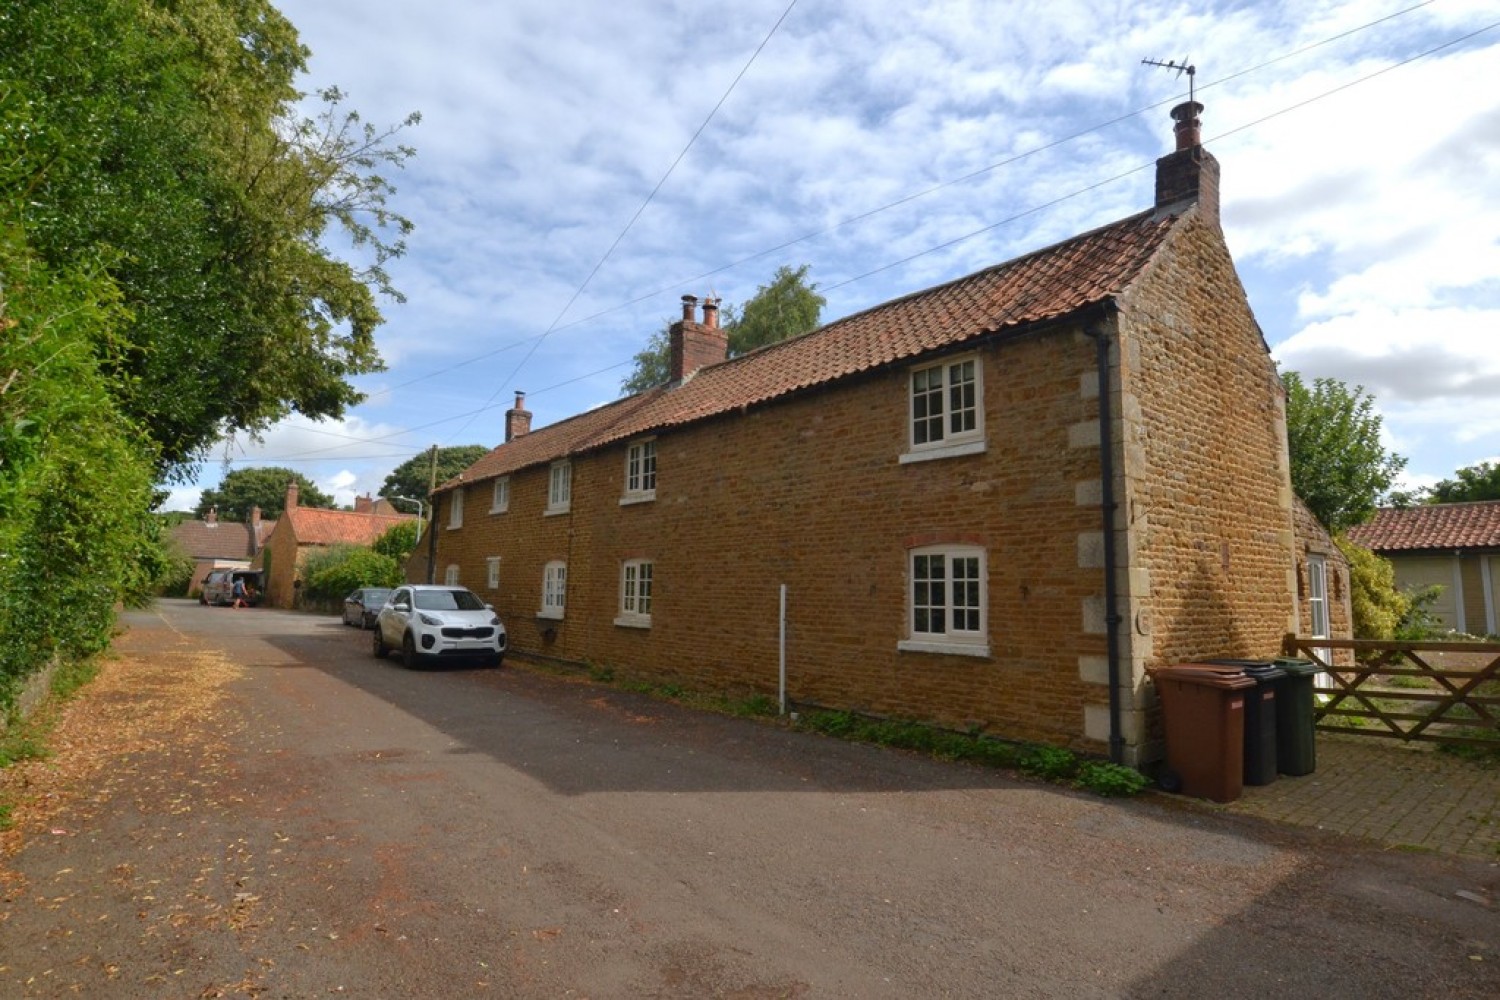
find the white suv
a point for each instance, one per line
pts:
(438, 622)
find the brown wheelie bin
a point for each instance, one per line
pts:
(1204, 710)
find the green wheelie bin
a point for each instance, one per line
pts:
(1296, 749)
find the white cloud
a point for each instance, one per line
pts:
(1367, 224)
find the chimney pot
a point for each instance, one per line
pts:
(693, 345)
(689, 308)
(517, 419)
(1188, 128)
(1189, 175)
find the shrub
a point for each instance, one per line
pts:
(332, 573)
(398, 541)
(1379, 608)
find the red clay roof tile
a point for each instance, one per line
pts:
(316, 526)
(1435, 526)
(1042, 285)
(218, 539)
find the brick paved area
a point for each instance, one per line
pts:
(1396, 794)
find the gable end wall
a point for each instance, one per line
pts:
(1207, 503)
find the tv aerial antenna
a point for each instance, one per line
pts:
(1180, 67)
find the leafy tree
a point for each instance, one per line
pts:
(264, 487)
(1477, 482)
(653, 364)
(398, 541)
(163, 142)
(412, 477)
(1339, 467)
(785, 307)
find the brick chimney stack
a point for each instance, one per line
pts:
(291, 494)
(695, 344)
(1190, 174)
(517, 419)
(212, 517)
(362, 505)
(255, 526)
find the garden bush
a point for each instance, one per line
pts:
(330, 574)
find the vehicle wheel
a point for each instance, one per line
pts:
(409, 653)
(1169, 781)
(378, 647)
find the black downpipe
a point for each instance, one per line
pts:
(1107, 505)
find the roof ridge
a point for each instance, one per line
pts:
(1041, 285)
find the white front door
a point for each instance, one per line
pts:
(1317, 607)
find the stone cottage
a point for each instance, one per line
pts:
(992, 504)
(302, 530)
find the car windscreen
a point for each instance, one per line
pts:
(448, 600)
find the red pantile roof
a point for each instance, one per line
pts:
(316, 526)
(1047, 284)
(218, 539)
(1435, 526)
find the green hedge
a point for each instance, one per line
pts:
(76, 486)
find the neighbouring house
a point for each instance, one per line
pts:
(992, 504)
(300, 530)
(1325, 609)
(215, 544)
(1453, 545)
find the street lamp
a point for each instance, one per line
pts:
(420, 508)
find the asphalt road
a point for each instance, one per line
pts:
(333, 824)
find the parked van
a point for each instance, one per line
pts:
(218, 586)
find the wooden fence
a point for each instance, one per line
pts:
(1445, 692)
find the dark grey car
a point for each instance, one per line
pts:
(363, 604)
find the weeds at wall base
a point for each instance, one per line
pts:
(1048, 763)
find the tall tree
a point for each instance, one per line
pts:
(785, 307)
(264, 487)
(653, 364)
(411, 477)
(168, 149)
(1339, 467)
(1476, 482)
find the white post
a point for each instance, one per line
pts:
(783, 649)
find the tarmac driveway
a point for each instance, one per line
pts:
(248, 804)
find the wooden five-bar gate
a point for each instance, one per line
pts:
(1446, 692)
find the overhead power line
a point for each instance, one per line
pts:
(490, 403)
(504, 383)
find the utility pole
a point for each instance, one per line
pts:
(432, 524)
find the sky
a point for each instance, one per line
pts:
(893, 146)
